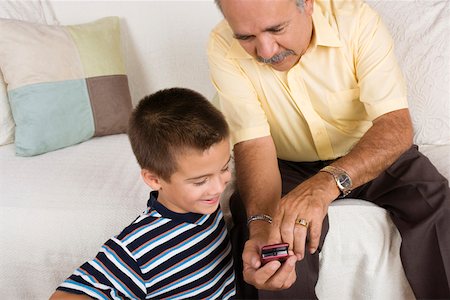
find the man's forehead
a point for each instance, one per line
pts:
(248, 5)
(250, 16)
(221, 2)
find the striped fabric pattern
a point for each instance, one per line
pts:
(65, 84)
(161, 255)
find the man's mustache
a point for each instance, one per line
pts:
(276, 58)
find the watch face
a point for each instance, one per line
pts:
(344, 181)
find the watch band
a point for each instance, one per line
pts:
(341, 177)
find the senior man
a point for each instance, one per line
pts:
(318, 111)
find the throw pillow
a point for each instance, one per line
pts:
(32, 11)
(66, 84)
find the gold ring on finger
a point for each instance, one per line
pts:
(302, 222)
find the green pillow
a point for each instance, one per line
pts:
(66, 84)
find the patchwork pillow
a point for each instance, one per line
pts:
(65, 84)
(32, 11)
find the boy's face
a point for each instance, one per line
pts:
(199, 181)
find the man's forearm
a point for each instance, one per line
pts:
(258, 177)
(389, 137)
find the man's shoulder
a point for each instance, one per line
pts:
(346, 16)
(222, 28)
(221, 33)
(340, 6)
(223, 44)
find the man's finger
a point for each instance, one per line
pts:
(315, 230)
(300, 233)
(287, 230)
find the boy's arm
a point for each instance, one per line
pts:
(59, 295)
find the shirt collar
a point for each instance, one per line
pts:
(323, 35)
(189, 217)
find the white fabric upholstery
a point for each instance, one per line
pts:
(58, 208)
(421, 29)
(28, 10)
(360, 258)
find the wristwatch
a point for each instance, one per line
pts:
(343, 180)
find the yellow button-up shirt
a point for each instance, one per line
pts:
(323, 105)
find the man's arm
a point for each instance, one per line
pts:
(389, 137)
(258, 177)
(259, 184)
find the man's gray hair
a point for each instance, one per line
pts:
(300, 4)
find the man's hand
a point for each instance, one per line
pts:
(308, 201)
(381, 145)
(271, 276)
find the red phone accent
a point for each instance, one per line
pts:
(274, 252)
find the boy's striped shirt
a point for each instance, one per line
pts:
(162, 254)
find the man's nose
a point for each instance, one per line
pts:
(266, 47)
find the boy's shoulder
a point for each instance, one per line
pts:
(152, 227)
(146, 223)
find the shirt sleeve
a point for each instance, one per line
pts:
(382, 87)
(237, 98)
(112, 274)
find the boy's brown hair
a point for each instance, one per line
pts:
(170, 121)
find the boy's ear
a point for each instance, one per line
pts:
(151, 179)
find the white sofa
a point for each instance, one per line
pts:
(59, 207)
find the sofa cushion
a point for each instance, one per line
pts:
(65, 84)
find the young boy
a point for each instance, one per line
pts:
(179, 247)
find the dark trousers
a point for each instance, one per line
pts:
(417, 197)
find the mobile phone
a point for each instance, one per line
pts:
(274, 252)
